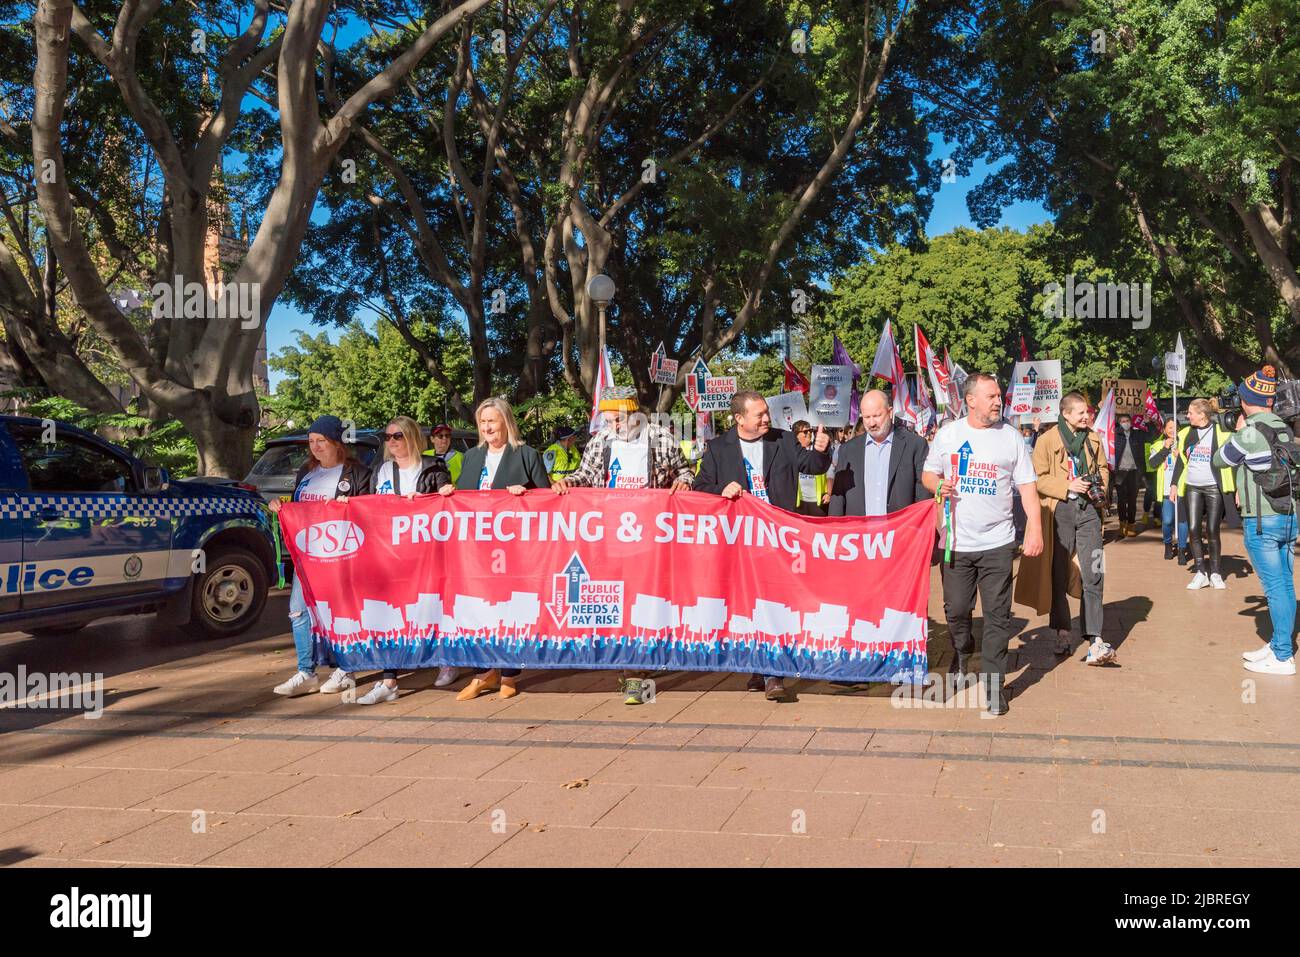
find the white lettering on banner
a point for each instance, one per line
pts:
(681, 527)
(846, 548)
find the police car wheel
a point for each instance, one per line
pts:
(230, 595)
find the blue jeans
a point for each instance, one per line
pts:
(1168, 512)
(1271, 551)
(300, 621)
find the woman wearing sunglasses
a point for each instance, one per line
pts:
(407, 471)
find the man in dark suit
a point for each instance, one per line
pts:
(753, 457)
(878, 471)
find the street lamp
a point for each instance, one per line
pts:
(600, 290)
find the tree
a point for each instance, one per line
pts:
(366, 377)
(1161, 134)
(977, 293)
(194, 362)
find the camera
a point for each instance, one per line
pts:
(1096, 489)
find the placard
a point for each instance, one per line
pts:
(786, 409)
(830, 395)
(1045, 375)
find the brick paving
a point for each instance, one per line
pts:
(1174, 757)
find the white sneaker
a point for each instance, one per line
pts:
(299, 684)
(1217, 581)
(446, 676)
(1271, 666)
(1259, 654)
(1099, 653)
(1198, 581)
(378, 694)
(340, 680)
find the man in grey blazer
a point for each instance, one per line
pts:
(878, 471)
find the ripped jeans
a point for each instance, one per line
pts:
(300, 621)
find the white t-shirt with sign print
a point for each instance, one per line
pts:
(490, 465)
(629, 464)
(319, 485)
(407, 484)
(989, 462)
(753, 455)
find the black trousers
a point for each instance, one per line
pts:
(987, 573)
(1126, 491)
(1207, 501)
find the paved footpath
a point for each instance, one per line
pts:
(1169, 758)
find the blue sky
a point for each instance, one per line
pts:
(949, 212)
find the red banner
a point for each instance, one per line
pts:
(603, 578)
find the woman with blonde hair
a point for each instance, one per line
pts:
(501, 460)
(405, 470)
(1202, 488)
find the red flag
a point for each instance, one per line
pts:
(795, 381)
(1149, 417)
(1024, 350)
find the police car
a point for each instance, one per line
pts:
(87, 530)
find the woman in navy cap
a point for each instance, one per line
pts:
(331, 471)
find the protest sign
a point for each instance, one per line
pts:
(708, 393)
(663, 371)
(787, 409)
(1045, 377)
(830, 395)
(1130, 394)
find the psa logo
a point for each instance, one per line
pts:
(336, 539)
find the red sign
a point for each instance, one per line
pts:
(604, 578)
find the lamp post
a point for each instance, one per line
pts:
(600, 290)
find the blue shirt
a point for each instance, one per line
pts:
(875, 473)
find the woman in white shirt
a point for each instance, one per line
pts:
(331, 471)
(407, 471)
(1202, 488)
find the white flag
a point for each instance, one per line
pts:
(883, 364)
(1105, 426)
(604, 377)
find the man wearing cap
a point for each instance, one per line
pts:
(1268, 520)
(630, 452)
(561, 458)
(440, 437)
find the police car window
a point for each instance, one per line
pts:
(69, 465)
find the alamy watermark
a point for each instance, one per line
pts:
(1099, 300)
(192, 300)
(61, 690)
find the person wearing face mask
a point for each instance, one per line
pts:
(501, 460)
(1128, 453)
(1162, 455)
(879, 471)
(407, 471)
(1203, 487)
(330, 472)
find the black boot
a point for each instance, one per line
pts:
(996, 694)
(1184, 556)
(959, 663)
(1169, 550)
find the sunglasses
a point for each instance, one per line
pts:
(391, 436)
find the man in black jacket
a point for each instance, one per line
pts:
(879, 471)
(753, 457)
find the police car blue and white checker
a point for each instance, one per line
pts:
(87, 530)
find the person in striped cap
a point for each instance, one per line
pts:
(1267, 489)
(629, 452)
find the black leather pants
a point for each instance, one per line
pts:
(1206, 501)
